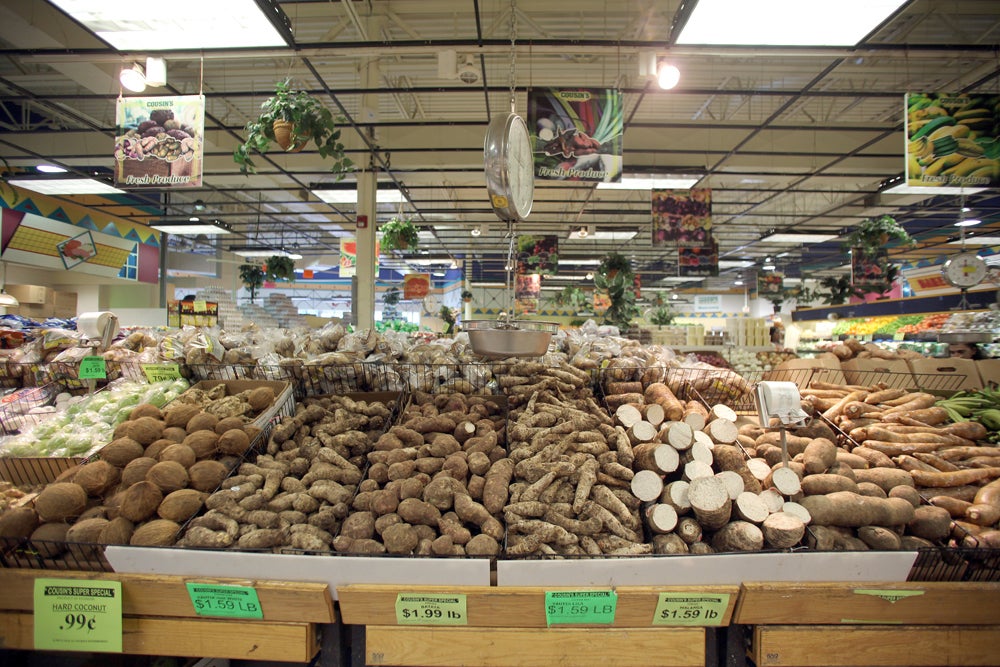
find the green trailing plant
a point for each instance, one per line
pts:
(310, 121)
(391, 296)
(466, 295)
(449, 316)
(280, 267)
(252, 276)
(835, 290)
(572, 298)
(614, 263)
(399, 234)
(621, 294)
(661, 315)
(872, 234)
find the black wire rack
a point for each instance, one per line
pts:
(956, 564)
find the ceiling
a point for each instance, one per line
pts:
(788, 138)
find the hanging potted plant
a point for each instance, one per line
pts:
(399, 234)
(872, 234)
(291, 119)
(621, 294)
(391, 296)
(252, 276)
(466, 295)
(280, 267)
(614, 263)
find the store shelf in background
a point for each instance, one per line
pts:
(979, 300)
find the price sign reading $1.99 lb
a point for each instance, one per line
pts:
(78, 615)
(691, 609)
(430, 609)
(225, 600)
(580, 607)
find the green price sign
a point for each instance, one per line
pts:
(222, 600)
(78, 615)
(580, 607)
(199, 306)
(161, 372)
(899, 336)
(889, 595)
(93, 368)
(691, 609)
(431, 609)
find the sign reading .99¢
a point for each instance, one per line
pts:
(78, 615)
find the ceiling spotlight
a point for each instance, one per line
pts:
(668, 76)
(583, 233)
(476, 231)
(738, 283)
(590, 275)
(133, 78)
(199, 205)
(768, 267)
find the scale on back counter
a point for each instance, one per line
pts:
(781, 401)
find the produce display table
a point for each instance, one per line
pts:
(860, 624)
(159, 619)
(507, 627)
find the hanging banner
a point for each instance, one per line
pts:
(577, 134)
(682, 217)
(416, 285)
(952, 140)
(348, 266)
(696, 262)
(770, 284)
(868, 269)
(538, 254)
(527, 290)
(159, 141)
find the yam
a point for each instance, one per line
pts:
(782, 530)
(750, 507)
(930, 522)
(879, 538)
(709, 499)
(738, 536)
(647, 485)
(661, 518)
(826, 483)
(887, 478)
(819, 455)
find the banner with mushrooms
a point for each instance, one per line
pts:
(159, 141)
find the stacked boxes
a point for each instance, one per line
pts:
(229, 314)
(282, 309)
(39, 302)
(748, 332)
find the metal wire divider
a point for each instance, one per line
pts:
(956, 564)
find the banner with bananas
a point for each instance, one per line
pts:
(953, 140)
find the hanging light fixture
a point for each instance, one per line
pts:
(6, 300)
(133, 78)
(668, 76)
(156, 72)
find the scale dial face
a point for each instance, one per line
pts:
(965, 270)
(510, 167)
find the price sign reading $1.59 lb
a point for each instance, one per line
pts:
(691, 609)
(431, 609)
(225, 600)
(78, 615)
(580, 607)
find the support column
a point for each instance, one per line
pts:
(364, 302)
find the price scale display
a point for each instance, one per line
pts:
(691, 609)
(78, 615)
(223, 600)
(430, 609)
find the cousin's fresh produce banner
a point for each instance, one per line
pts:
(538, 254)
(576, 134)
(159, 141)
(953, 140)
(682, 217)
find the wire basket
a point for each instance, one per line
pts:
(956, 564)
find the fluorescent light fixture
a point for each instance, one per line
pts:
(676, 279)
(612, 235)
(768, 267)
(133, 77)
(569, 261)
(668, 76)
(663, 182)
(784, 22)
(66, 186)
(265, 252)
(975, 240)
(187, 24)
(929, 190)
(738, 283)
(732, 263)
(192, 227)
(969, 222)
(393, 196)
(50, 169)
(798, 238)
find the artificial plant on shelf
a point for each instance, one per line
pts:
(621, 293)
(572, 298)
(280, 267)
(661, 312)
(399, 233)
(835, 290)
(291, 119)
(252, 276)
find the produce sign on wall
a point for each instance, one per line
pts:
(538, 254)
(416, 285)
(78, 249)
(527, 290)
(577, 134)
(159, 141)
(953, 140)
(770, 284)
(703, 261)
(682, 217)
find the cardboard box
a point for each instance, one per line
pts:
(824, 367)
(64, 300)
(894, 373)
(989, 371)
(945, 376)
(30, 294)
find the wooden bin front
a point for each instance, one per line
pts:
(507, 628)
(159, 619)
(878, 624)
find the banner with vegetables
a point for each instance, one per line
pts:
(527, 290)
(696, 262)
(349, 257)
(770, 284)
(159, 141)
(952, 140)
(682, 217)
(577, 134)
(538, 254)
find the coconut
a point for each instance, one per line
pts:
(97, 477)
(121, 430)
(146, 430)
(181, 505)
(118, 531)
(120, 451)
(68, 474)
(136, 470)
(261, 398)
(233, 441)
(156, 533)
(202, 421)
(204, 443)
(139, 501)
(174, 433)
(146, 410)
(18, 522)
(168, 476)
(87, 530)
(154, 449)
(58, 502)
(94, 512)
(207, 475)
(180, 414)
(49, 539)
(179, 452)
(228, 423)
